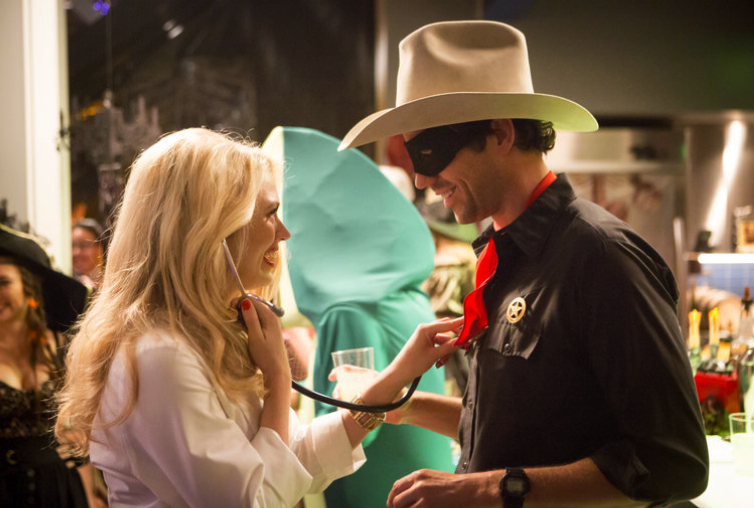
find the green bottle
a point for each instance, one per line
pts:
(745, 338)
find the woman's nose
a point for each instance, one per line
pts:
(283, 233)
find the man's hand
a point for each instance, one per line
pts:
(435, 489)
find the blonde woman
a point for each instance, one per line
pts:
(177, 403)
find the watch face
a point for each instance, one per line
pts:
(515, 486)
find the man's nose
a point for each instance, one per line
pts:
(422, 181)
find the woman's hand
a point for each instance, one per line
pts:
(266, 345)
(431, 344)
(267, 349)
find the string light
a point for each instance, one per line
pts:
(101, 6)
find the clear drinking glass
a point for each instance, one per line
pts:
(355, 371)
(742, 437)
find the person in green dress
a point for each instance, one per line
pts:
(359, 252)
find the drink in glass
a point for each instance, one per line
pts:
(742, 438)
(355, 371)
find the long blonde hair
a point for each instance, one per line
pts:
(166, 269)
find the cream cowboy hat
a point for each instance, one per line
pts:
(462, 71)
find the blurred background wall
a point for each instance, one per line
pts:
(130, 70)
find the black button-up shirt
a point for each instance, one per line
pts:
(596, 367)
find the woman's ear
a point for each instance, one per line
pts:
(504, 132)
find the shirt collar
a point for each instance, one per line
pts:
(531, 229)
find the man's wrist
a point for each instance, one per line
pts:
(485, 488)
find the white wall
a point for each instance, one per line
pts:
(13, 157)
(34, 169)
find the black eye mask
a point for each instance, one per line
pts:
(433, 149)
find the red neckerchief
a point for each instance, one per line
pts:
(474, 310)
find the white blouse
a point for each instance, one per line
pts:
(187, 445)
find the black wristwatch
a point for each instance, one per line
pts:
(514, 485)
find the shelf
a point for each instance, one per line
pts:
(721, 258)
(618, 167)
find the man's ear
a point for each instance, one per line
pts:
(504, 133)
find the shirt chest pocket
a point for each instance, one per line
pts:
(516, 328)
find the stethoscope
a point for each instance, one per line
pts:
(302, 389)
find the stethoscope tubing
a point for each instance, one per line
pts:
(384, 408)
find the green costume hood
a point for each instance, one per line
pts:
(354, 236)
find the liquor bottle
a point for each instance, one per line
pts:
(717, 359)
(745, 333)
(745, 339)
(713, 318)
(694, 351)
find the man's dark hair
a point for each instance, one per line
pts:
(533, 135)
(530, 134)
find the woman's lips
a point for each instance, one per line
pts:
(271, 257)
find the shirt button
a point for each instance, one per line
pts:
(470, 405)
(465, 465)
(507, 348)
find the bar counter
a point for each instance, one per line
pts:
(726, 489)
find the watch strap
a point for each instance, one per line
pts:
(514, 499)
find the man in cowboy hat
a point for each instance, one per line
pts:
(580, 392)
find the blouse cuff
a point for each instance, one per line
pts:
(333, 448)
(291, 479)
